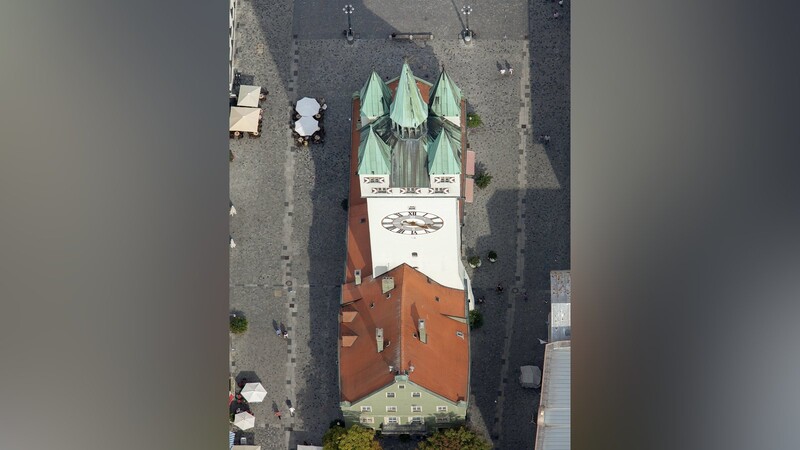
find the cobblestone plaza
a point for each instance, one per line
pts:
(288, 263)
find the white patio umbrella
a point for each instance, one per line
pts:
(244, 420)
(244, 119)
(248, 95)
(306, 126)
(307, 106)
(254, 392)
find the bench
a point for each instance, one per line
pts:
(411, 36)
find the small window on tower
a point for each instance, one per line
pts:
(414, 254)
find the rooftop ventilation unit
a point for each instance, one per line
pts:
(387, 284)
(379, 338)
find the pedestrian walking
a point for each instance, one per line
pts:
(502, 71)
(278, 415)
(556, 15)
(278, 332)
(286, 335)
(481, 300)
(233, 210)
(510, 71)
(546, 138)
(291, 411)
(233, 244)
(561, 3)
(499, 288)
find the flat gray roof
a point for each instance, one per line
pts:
(560, 306)
(553, 421)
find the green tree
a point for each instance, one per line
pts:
(455, 439)
(238, 324)
(353, 438)
(475, 319)
(483, 179)
(473, 120)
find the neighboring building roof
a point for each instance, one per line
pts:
(560, 283)
(408, 109)
(375, 97)
(560, 316)
(553, 429)
(441, 365)
(373, 154)
(445, 98)
(442, 155)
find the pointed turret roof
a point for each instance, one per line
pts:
(376, 98)
(445, 98)
(442, 156)
(373, 154)
(408, 109)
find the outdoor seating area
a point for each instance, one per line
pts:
(239, 403)
(246, 114)
(307, 121)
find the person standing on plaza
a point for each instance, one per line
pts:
(291, 411)
(278, 415)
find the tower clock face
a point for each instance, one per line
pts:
(412, 223)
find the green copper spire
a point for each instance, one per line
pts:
(373, 154)
(445, 98)
(442, 159)
(408, 110)
(375, 97)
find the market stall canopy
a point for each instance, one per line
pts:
(244, 119)
(244, 420)
(249, 95)
(307, 106)
(306, 126)
(254, 392)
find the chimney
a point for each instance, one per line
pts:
(387, 284)
(357, 273)
(379, 338)
(423, 335)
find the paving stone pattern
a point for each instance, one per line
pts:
(290, 226)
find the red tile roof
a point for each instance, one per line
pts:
(441, 365)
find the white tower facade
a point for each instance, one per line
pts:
(423, 232)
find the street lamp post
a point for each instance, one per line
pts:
(467, 10)
(348, 9)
